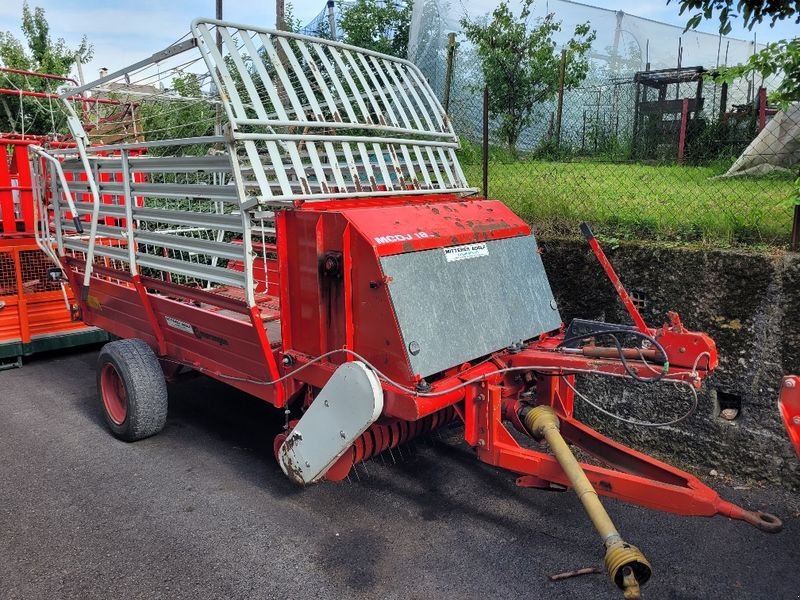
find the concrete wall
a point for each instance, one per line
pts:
(748, 302)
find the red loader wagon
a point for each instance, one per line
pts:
(321, 251)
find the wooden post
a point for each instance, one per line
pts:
(682, 136)
(280, 14)
(562, 71)
(723, 100)
(448, 76)
(485, 154)
(796, 229)
(762, 108)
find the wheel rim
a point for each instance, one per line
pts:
(115, 398)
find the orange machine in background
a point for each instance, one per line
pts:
(35, 310)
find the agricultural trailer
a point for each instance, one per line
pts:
(304, 233)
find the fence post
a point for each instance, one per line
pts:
(448, 76)
(562, 71)
(762, 108)
(795, 246)
(682, 135)
(485, 153)
(723, 100)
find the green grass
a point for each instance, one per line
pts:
(629, 200)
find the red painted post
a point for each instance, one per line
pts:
(762, 108)
(684, 123)
(22, 169)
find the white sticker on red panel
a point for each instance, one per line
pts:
(465, 252)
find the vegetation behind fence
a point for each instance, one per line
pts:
(632, 176)
(643, 154)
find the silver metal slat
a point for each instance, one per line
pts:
(321, 83)
(106, 210)
(190, 244)
(317, 165)
(409, 85)
(362, 150)
(275, 157)
(435, 166)
(446, 165)
(462, 179)
(351, 166)
(255, 163)
(288, 88)
(164, 164)
(223, 193)
(434, 107)
(297, 164)
(310, 95)
(219, 69)
(337, 84)
(387, 109)
(208, 220)
(120, 254)
(351, 84)
(244, 72)
(367, 91)
(403, 95)
(266, 79)
(423, 167)
(398, 106)
(387, 180)
(333, 161)
(409, 164)
(194, 270)
(397, 167)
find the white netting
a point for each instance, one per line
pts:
(625, 44)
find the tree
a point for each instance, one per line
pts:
(779, 57)
(379, 25)
(520, 63)
(43, 55)
(184, 112)
(750, 11)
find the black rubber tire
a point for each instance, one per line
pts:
(145, 388)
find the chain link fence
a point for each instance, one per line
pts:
(639, 151)
(639, 174)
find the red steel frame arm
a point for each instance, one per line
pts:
(641, 479)
(615, 280)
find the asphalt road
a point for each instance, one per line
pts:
(203, 511)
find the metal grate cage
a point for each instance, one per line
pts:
(302, 120)
(8, 274)
(34, 265)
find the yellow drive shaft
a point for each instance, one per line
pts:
(625, 564)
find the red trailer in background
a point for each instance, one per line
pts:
(35, 311)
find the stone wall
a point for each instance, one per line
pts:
(748, 302)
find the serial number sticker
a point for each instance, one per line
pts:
(454, 253)
(179, 325)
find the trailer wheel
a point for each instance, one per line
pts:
(131, 387)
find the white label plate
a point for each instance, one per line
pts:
(454, 253)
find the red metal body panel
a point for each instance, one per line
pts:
(452, 222)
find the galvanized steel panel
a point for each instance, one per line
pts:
(453, 311)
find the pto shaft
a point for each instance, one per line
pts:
(625, 564)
